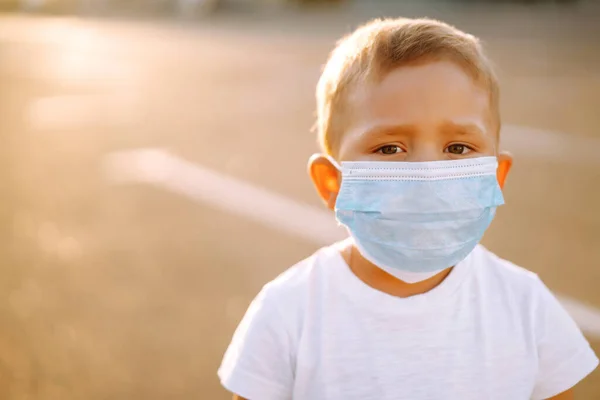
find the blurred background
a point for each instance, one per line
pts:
(152, 174)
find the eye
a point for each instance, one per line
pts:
(458, 149)
(389, 149)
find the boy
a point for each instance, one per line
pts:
(410, 307)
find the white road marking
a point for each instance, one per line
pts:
(159, 168)
(164, 170)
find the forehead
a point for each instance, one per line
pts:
(422, 95)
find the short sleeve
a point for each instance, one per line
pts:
(564, 355)
(257, 364)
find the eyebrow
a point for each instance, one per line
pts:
(466, 128)
(382, 130)
(386, 130)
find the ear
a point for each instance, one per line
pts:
(326, 178)
(505, 161)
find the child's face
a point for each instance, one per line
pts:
(428, 112)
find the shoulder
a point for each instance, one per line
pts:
(502, 274)
(520, 300)
(259, 362)
(290, 289)
(507, 287)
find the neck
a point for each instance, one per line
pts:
(380, 280)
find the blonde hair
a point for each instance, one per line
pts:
(380, 46)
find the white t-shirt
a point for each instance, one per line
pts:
(490, 330)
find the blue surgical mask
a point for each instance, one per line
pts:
(415, 219)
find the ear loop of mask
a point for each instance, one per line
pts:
(501, 169)
(333, 186)
(333, 162)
